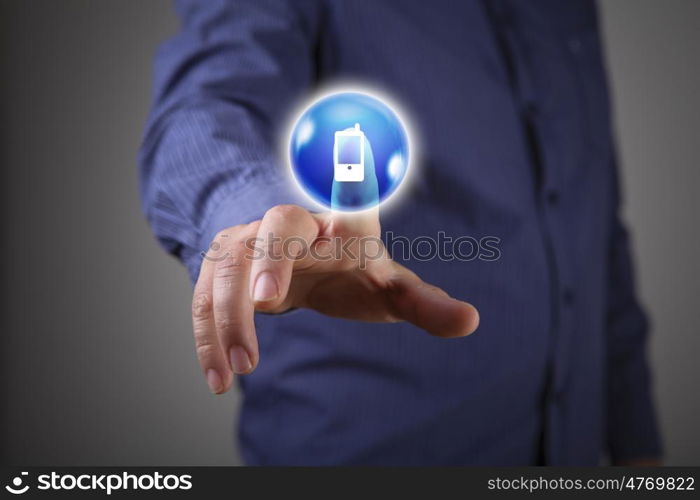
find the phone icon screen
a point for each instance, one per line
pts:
(349, 155)
(349, 149)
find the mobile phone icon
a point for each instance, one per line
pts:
(349, 155)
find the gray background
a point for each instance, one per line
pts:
(97, 358)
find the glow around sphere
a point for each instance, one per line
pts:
(331, 165)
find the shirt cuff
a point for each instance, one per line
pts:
(241, 207)
(632, 422)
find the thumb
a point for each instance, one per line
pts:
(431, 308)
(354, 204)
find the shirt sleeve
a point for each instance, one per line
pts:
(632, 424)
(222, 88)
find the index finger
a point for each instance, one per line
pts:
(354, 204)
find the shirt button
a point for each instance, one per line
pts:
(574, 45)
(567, 296)
(531, 109)
(553, 197)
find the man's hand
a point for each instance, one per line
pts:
(334, 263)
(292, 259)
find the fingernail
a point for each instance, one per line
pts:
(240, 361)
(214, 381)
(265, 287)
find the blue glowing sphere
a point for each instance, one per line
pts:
(349, 151)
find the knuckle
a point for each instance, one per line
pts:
(226, 325)
(230, 232)
(223, 234)
(285, 212)
(231, 261)
(205, 348)
(205, 341)
(223, 324)
(241, 246)
(201, 306)
(252, 227)
(228, 269)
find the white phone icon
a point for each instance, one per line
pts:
(349, 155)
